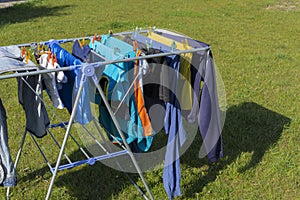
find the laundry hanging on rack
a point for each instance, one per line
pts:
(9, 176)
(172, 122)
(30, 97)
(184, 80)
(70, 89)
(137, 126)
(48, 61)
(209, 114)
(11, 60)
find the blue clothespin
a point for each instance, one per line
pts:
(136, 31)
(173, 46)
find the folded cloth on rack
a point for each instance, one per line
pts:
(10, 60)
(209, 115)
(118, 77)
(172, 122)
(9, 176)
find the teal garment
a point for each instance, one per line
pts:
(118, 78)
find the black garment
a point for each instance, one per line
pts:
(156, 82)
(37, 119)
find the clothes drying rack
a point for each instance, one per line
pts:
(88, 73)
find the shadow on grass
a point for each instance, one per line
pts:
(97, 181)
(249, 127)
(23, 12)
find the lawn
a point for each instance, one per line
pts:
(256, 49)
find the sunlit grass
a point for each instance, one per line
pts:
(256, 49)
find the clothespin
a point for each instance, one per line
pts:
(38, 48)
(81, 43)
(94, 38)
(173, 46)
(150, 31)
(110, 32)
(153, 28)
(54, 59)
(136, 31)
(148, 44)
(23, 52)
(135, 46)
(27, 57)
(185, 43)
(49, 55)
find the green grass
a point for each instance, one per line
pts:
(256, 49)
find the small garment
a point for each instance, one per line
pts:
(65, 59)
(37, 119)
(81, 51)
(50, 79)
(5, 158)
(10, 60)
(69, 90)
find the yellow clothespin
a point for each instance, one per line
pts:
(81, 43)
(27, 57)
(150, 31)
(185, 43)
(110, 32)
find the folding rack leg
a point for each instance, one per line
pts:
(88, 72)
(121, 134)
(17, 158)
(66, 137)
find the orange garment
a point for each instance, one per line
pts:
(139, 99)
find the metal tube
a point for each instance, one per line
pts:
(103, 63)
(122, 135)
(66, 136)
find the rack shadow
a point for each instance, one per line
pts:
(25, 11)
(250, 128)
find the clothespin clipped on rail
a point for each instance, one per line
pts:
(148, 44)
(185, 43)
(135, 46)
(96, 38)
(173, 46)
(49, 55)
(41, 49)
(54, 59)
(81, 43)
(150, 31)
(136, 31)
(110, 32)
(27, 57)
(23, 52)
